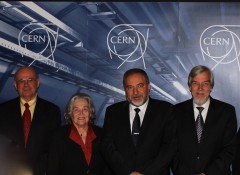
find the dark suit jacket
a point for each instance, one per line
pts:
(214, 155)
(236, 161)
(45, 120)
(67, 158)
(155, 147)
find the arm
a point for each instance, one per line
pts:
(236, 161)
(54, 156)
(108, 148)
(224, 158)
(162, 162)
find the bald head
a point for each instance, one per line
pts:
(26, 82)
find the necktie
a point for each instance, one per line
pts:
(136, 126)
(199, 123)
(26, 122)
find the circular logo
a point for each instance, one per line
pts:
(127, 43)
(38, 38)
(220, 44)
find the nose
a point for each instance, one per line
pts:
(200, 87)
(25, 82)
(135, 90)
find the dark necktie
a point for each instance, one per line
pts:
(26, 122)
(136, 126)
(199, 123)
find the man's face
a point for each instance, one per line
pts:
(137, 89)
(201, 88)
(26, 83)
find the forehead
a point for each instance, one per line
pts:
(25, 73)
(203, 76)
(80, 102)
(135, 78)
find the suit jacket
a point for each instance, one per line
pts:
(236, 161)
(67, 158)
(214, 155)
(10, 156)
(45, 120)
(155, 147)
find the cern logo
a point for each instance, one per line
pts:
(221, 43)
(127, 43)
(39, 38)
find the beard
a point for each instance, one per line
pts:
(200, 102)
(137, 103)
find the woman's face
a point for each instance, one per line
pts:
(80, 113)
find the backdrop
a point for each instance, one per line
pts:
(87, 47)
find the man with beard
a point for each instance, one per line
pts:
(206, 129)
(143, 148)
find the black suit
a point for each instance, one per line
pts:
(236, 161)
(45, 120)
(67, 158)
(213, 156)
(155, 147)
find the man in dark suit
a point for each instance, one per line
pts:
(207, 147)
(236, 160)
(44, 119)
(152, 151)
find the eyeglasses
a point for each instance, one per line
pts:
(23, 81)
(204, 84)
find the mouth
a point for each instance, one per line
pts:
(81, 118)
(137, 98)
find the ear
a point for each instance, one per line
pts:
(15, 85)
(38, 83)
(149, 87)
(190, 88)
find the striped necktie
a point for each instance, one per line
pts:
(199, 123)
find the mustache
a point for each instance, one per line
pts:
(136, 96)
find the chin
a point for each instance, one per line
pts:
(200, 102)
(137, 103)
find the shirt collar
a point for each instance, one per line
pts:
(142, 107)
(205, 105)
(31, 102)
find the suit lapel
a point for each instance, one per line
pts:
(210, 119)
(37, 122)
(149, 116)
(189, 122)
(126, 127)
(17, 123)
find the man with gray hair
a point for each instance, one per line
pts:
(206, 129)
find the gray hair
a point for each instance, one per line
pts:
(197, 70)
(69, 107)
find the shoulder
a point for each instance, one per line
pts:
(11, 102)
(62, 131)
(159, 102)
(118, 105)
(220, 103)
(46, 102)
(97, 129)
(184, 103)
